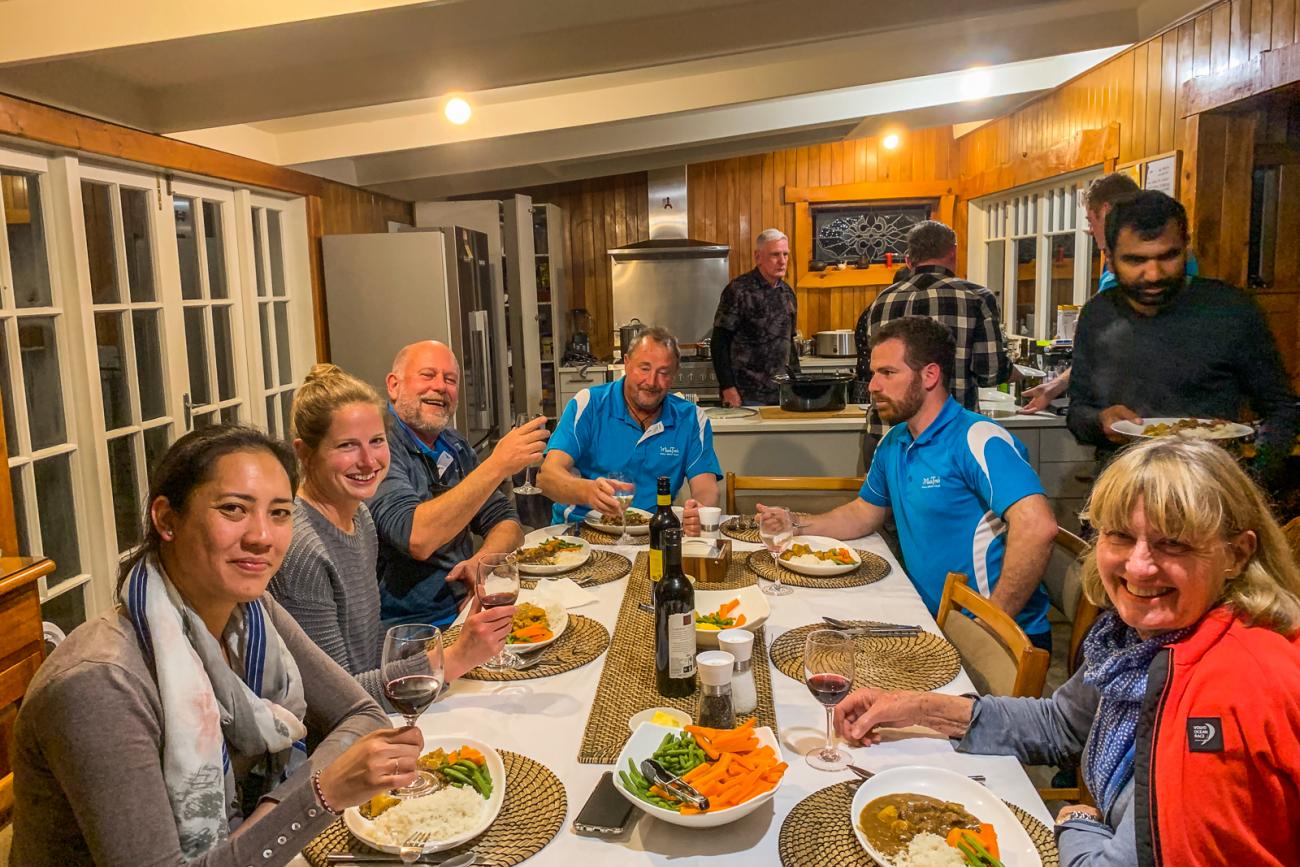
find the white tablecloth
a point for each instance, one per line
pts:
(544, 719)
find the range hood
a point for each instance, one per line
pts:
(666, 190)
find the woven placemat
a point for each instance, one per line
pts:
(819, 831)
(731, 527)
(872, 568)
(602, 568)
(531, 815)
(582, 641)
(598, 537)
(922, 662)
(627, 683)
(737, 575)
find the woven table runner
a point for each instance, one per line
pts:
(922, 662)
(627, 683)
(602, 568)
(582, 641)
(737, 575)
(819, 831)
(599, 537)
(739, 529)
(531, 815)
(872, 568)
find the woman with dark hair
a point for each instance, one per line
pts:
(174, 728)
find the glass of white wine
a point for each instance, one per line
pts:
(776, 529)
(527, 488)
(625, 491)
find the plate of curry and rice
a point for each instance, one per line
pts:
(553, 556)
(1188, 427)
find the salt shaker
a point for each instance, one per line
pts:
(716, 711)
(740, 644)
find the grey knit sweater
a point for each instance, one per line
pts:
(327, 582)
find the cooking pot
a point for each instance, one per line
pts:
(835, 344)
(813, 392)
(627, 334)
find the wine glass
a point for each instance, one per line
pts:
(776, 529)
(624, 494)
(497, 584)
(828, 666)
(409, 687)
(521, 419)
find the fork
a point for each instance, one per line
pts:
(878, 629)
(413, 848)
(866, 775)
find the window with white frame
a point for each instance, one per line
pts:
(274, 297)
(1032, 248)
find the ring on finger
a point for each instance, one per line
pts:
(395, 765)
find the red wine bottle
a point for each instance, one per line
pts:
(674, 601)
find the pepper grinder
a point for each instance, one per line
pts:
(716, 711)
(740, 644)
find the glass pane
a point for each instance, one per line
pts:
(282, 341)
(286, 408)
(1062, 271)
(223, 345)
(126, 493)
(994, 275)
(268, 360)
(58, 516)
(25, 228)
(40, 360)
(259, 246)
(149, 364)
(277, 253)
(273, 416)
(6, 393)
(230, 415)
(20, 510)
(97, 210)
(1026, 265)
(67, 610)
(111, 344)
(196, 352)
(203, 420)
(156, 440)
(186, 248)
(135, 235)
(214, 233)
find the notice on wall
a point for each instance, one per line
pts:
(1162, 175)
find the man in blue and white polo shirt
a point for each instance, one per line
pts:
(634, 426)
(961, 490)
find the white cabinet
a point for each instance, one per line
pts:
(573, 380)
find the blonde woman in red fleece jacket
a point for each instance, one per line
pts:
(1186, 712)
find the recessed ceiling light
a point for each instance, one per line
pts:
(976, 83)
(890, 141)
(457, 110)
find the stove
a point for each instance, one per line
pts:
(697, 378)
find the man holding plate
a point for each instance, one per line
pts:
(961, 491)
(635, 427)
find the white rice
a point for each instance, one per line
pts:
(444, 814)
(929, 850)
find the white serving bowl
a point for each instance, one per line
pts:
(822, 568)
(753, 604)
(646, 739)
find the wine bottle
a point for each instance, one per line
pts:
(674, 601)
(662, 519)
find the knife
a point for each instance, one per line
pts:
(464, 860)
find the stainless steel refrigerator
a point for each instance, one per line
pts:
(384, 291)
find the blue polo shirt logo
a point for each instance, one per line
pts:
(670, 451)
(930, 482)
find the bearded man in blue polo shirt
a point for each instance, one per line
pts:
(963, 495)
(634, 426)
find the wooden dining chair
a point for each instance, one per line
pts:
(819, 484)
(995, 652)
(1292, 533)
(1064, 582)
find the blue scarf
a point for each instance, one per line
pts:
(1117, 663)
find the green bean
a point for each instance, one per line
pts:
(457, 776)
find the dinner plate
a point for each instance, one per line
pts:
(363, 828)
(567, 560)
(823, 568)
(1228, 430)
(1015, 849)
(731, 412)
(593, 520)
(557, 618)
(753, 604)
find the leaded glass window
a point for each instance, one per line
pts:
(848, 233)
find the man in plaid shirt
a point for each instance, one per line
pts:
(969, 310)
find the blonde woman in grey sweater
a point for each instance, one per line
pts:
(328, 581)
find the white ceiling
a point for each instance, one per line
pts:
(562, 89)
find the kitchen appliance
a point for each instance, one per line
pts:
(813, 392)
(669, 280)
(627, 334)
(835, 344)
(385, 291)
(578, 350)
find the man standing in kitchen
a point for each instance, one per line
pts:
(437, 492)
(753, 329)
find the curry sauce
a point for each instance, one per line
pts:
(891, 821)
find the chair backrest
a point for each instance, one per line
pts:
(825, 487)
(996, 653)
(1292, 532)
(1063, 580)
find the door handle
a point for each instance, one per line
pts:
(188, 406)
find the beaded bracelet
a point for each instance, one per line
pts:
(320, 796)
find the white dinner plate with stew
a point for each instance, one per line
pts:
(1207, 429)
(804, 564)
(566, 559)
(593, 519)
(557, 619)
(1014, 846)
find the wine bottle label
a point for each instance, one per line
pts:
(681, 645)
(656, 564)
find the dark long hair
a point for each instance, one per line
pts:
(189, 463)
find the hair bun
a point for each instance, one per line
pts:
(322, 371)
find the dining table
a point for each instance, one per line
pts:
(544, 719)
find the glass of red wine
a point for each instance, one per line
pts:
(411, 685)
(497, 584)
(828, 664)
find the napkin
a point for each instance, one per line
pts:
(564, 591)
